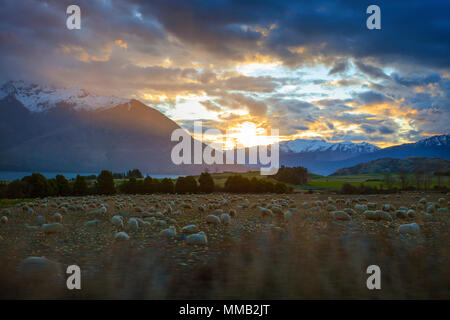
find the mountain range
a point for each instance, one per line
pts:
(43, 128)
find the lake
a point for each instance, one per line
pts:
(13, 175)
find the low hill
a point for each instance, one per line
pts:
(391, 165)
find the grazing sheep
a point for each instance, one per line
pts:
(232, 212)
(341, 215)
(401, 214)
(212, 219)
(442, 210)
(383, 215)
(133, 224)
(121, 236)
(411, 213)
(192, 228)
(411, 228)
(117, 221)
(52, 228)
(169, 233)
(197, 239)
(4, 220)
(225, 219)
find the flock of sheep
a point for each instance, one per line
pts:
(190, 219)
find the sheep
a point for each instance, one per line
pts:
(132, 224)
(341, 215)
(100, 211)
(225, 219)
(192, 228)
(442, 210)
(6, 212)
(383, 215)
(197, 239)
(168, 233)
(121, 236)
(212, 219)
(401, 213)
(117, 221)
(411, 213)
(232, 212)
(411, 228)
(52, 228)
(372, 205)
(4, 219)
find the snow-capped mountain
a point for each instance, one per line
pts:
(38, 98)
(443, 140)
(303, 145)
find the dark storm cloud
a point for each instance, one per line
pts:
(371, 97)
(371, 71)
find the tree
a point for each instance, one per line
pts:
(80, 187)
(62, 186)
(388, 180)
(36, 185)
(403, 178)
(105, 183)
(135, 173)
(206, 183)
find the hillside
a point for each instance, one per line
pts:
(391, 165)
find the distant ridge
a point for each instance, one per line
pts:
(391, 165)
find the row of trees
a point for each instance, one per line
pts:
(36, 185)
(418, 180)
(240, 184)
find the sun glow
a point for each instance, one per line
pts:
(248, 134)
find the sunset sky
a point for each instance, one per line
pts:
(311, 69)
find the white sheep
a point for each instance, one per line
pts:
(411, 228)
(192, 228)
(212, 219)
(117, 221)
(341, 215)
(121, 236)
(133, 224)
(57, 217)
(4, 219)
(225, 218)
(169, 233)
(197, 239)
